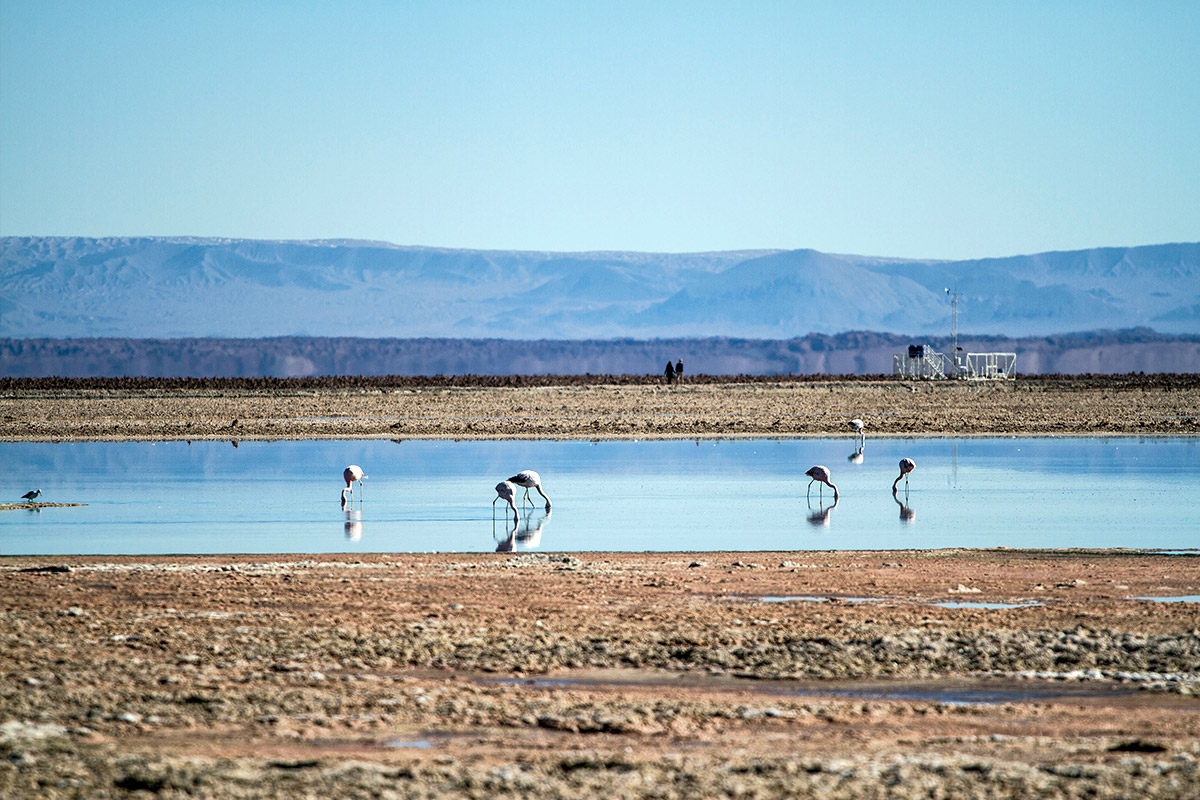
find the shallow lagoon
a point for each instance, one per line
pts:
(678, 495)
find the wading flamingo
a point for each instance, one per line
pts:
(907, 465)
(351, 474)
(529, 479)
(820, 473)
(856, 425)
(506, 491)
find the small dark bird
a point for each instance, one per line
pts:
(31, 496)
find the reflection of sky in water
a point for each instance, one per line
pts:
(749, 494)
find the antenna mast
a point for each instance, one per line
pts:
(954, 326)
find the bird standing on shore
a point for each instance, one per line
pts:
(821, 474)
(529, 479)
(856, 425)
(31, 496)
(506, 491)
(907, 465)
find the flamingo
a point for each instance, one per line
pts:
(31, 496)
(856, 425)
(529, 479)
(351, 474)
(506, 491)
(907, 465)
(820, 473)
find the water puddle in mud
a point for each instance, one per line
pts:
(952, 604)
(801, 598)
(1184, 598)
(965, 692)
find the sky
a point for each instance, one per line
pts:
(906, 129)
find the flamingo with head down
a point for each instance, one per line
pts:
(907, 465)
(821, 475)
(351, 474)
(528, 479)
(507, 492)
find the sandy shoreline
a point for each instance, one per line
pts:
(421, 675)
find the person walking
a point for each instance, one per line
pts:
(679, 370)
(670, 373)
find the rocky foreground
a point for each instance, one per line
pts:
(622, 675)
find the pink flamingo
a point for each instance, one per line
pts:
(351, 474)
(529, 479)
(506, 491)
(907, 465)
(820, 473)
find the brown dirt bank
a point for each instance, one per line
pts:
(407, 675)
(591, 407)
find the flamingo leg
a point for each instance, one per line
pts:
(809, 492)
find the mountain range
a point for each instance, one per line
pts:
(181, 287)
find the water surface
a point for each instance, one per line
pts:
(679, 495)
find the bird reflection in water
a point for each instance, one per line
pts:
(353, 526)
(907, 515)
(857, 456)
(527, 533)
(820, 516)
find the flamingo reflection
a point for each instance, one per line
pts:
(353, 525)
(820, 517)
(527, 533)
(907, 514)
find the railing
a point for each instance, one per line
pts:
(990, 366)
(922, 362)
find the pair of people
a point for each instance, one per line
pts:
(674, 372)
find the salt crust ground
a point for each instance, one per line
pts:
(590, 408)
(624, 675)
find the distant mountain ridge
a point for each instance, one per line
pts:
(186, 287)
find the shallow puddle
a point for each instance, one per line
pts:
(940, 604)
(1183, 598)
(982, 691)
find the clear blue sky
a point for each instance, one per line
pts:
(939, 129)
